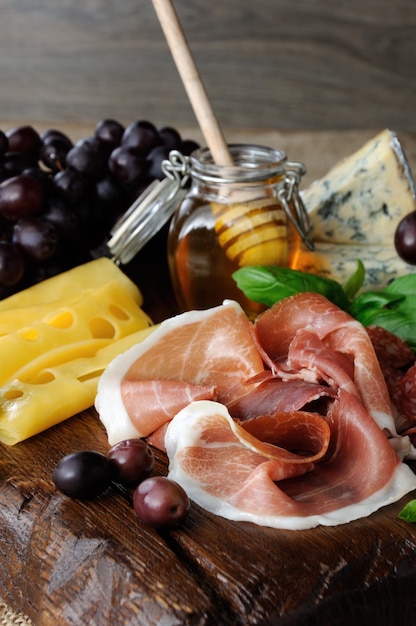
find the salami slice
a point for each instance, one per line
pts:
(404, 399)
(390, 348)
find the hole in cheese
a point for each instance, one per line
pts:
(90, 375)
(101, 328)
(65, 319)
(118, 313)
(30, 334)
(12, 394)
(42, 378)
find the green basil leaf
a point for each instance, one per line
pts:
(369, 304)
(408, 512)
(399, 321)
(268, 284)
(403, 285)
(355, 281)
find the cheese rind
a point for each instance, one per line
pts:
(362, 199)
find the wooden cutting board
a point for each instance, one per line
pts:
(70, 563)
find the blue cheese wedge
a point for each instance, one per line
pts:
(361, 200)
(355, 209)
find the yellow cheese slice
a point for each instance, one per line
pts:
(31, 404)
(70, 283)
(104, 314)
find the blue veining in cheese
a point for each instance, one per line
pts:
(362, 198)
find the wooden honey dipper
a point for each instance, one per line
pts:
(251, 232)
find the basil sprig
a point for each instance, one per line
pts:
(393, 307)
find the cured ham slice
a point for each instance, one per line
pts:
(277, 328)
(201, 354)
(232, 476)
(274, 394)
(160, 399)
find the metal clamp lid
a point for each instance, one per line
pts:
(150, 211)
(293, 204)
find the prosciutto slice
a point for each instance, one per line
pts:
(278, 330)
(273, 394)
(200, 354)
(233, 477)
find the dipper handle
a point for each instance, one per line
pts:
(192, 82)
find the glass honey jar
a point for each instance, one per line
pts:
(232, 216)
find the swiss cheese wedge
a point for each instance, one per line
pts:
(56, 338)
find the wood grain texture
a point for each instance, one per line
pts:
(310, 64)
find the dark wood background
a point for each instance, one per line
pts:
(275, 64)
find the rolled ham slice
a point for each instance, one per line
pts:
(278, 330)
(229, 475)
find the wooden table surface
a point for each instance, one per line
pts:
(69, 563)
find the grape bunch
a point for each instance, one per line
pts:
(157, 500)
(59, 199)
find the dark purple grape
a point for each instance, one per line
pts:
(54, 151)
(73, 186)
(37, 237)
(109, 132)
(51, 134)
(154, 161)
(170, 137)
(188, 146)
(4, 143)
(82, 475)
(131, 461)
(61, 216)
(25, 140)
(126, 165)
(14, 163)
(20, 196)
(12, 264)
(160, 502)
(405, 238)
(110, 194)
(141, 136)
(87, 158)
